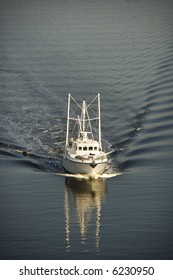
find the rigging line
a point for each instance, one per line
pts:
(73, 112)
(93, 112)
(92, 101)
(89, 121)
(76, 102)
(74, 128)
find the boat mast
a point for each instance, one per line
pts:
(99, 117)
(84, 114)
(68, 116)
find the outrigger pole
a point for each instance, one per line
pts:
(68, 116)
(99, 117)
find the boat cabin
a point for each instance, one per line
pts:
(89, 147)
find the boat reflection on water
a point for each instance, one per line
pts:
(84, 198)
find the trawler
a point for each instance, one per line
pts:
(83, 151)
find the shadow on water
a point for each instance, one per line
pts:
(83, 202)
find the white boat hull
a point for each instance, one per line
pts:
(75, 167)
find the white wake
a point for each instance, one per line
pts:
(90, 176)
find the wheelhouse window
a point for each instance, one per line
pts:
(80, 148)
(84, 148)
(90, 148)
(95, 148)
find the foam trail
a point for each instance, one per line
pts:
(89, 176)
(106, 175)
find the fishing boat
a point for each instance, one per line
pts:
(83, 150)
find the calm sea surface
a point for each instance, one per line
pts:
(123, 50)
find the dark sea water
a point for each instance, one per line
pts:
(123, 50)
